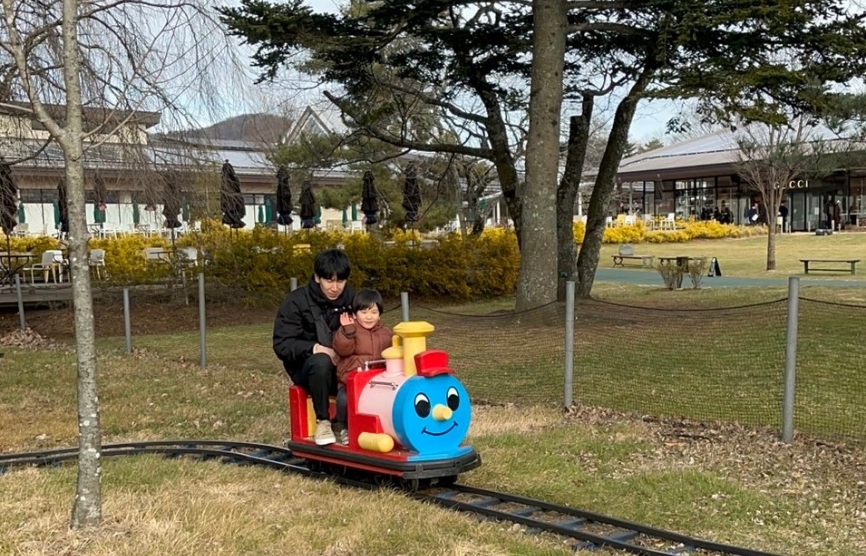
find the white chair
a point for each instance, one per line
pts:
(21, 230)
(52, 263)
(670, 222)
(97, 263)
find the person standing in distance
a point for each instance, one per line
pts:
(304, 331)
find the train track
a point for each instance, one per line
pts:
(581, 529)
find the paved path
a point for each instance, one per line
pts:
(653, 278)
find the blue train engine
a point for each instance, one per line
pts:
(407, 416)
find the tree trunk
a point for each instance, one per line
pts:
(566, 193)
(87, 507)
(537, 278)
(503, 159)
(587, 261)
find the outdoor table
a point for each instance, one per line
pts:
(10, 264)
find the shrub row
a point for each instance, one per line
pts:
(686, 231)
(262, 261)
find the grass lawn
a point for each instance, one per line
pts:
(748, 256)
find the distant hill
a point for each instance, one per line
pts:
(254, 128)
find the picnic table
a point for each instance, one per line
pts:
(850, 262)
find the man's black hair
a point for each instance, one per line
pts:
(365, 299)
(332, 263)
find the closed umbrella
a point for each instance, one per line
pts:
(369, 199)
(309, 207)
(8, 202)
(411, 194)
(261, 214)
(354, 211)
(284, 198)
(345, 218)
(269, 210)
(184, 211)
(22, 216)
(171, 202)
(231, 199)
(136, 213)
(100, 199)
(64, 208)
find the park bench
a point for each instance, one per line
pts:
(851, 262)
(626, 252)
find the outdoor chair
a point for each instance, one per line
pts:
(97, 263)
(52, 264)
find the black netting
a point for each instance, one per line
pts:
(710, 364)
(831, 370)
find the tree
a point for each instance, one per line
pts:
(60, 57)
(774, 158)
(474, 63)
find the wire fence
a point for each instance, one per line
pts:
(717, 364)
(721, 364)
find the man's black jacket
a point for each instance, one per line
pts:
(305, 318)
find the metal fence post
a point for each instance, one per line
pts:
(201, 320)
(21, 321)
(569, 343)
(293, 284)
(127, 320)
(404, 305)
(790, 360)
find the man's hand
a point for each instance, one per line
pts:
(319, 348)
(346, 319)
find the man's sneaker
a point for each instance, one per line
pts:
(324, 434)
(343, 437)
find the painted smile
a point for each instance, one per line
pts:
(453, 426)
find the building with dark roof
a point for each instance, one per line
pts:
(686, 178)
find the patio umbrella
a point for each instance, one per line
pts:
(269, 210)
(411, 194)
(100, 199)
(309, 208)
(136, 214)
(184, 211)
(369, 199)
(64, 208)
(354, 211)
(171, 202)
(284, 198)
(345, 218)
(8, 202)
(22, 216)
(231, 199)
(261, 214)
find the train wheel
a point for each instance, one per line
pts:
(414, 485)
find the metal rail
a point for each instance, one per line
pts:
(584, 530)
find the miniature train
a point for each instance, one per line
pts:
(407, 416)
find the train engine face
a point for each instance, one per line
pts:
(408, 419)
(431, 414)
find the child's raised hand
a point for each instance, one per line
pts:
(346, 319)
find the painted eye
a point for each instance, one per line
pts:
(453, 398)
(422, 405)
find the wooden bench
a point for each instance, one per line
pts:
(851, 262)
(646, 260)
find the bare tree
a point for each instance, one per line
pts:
(87, 70)
(773, 158)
